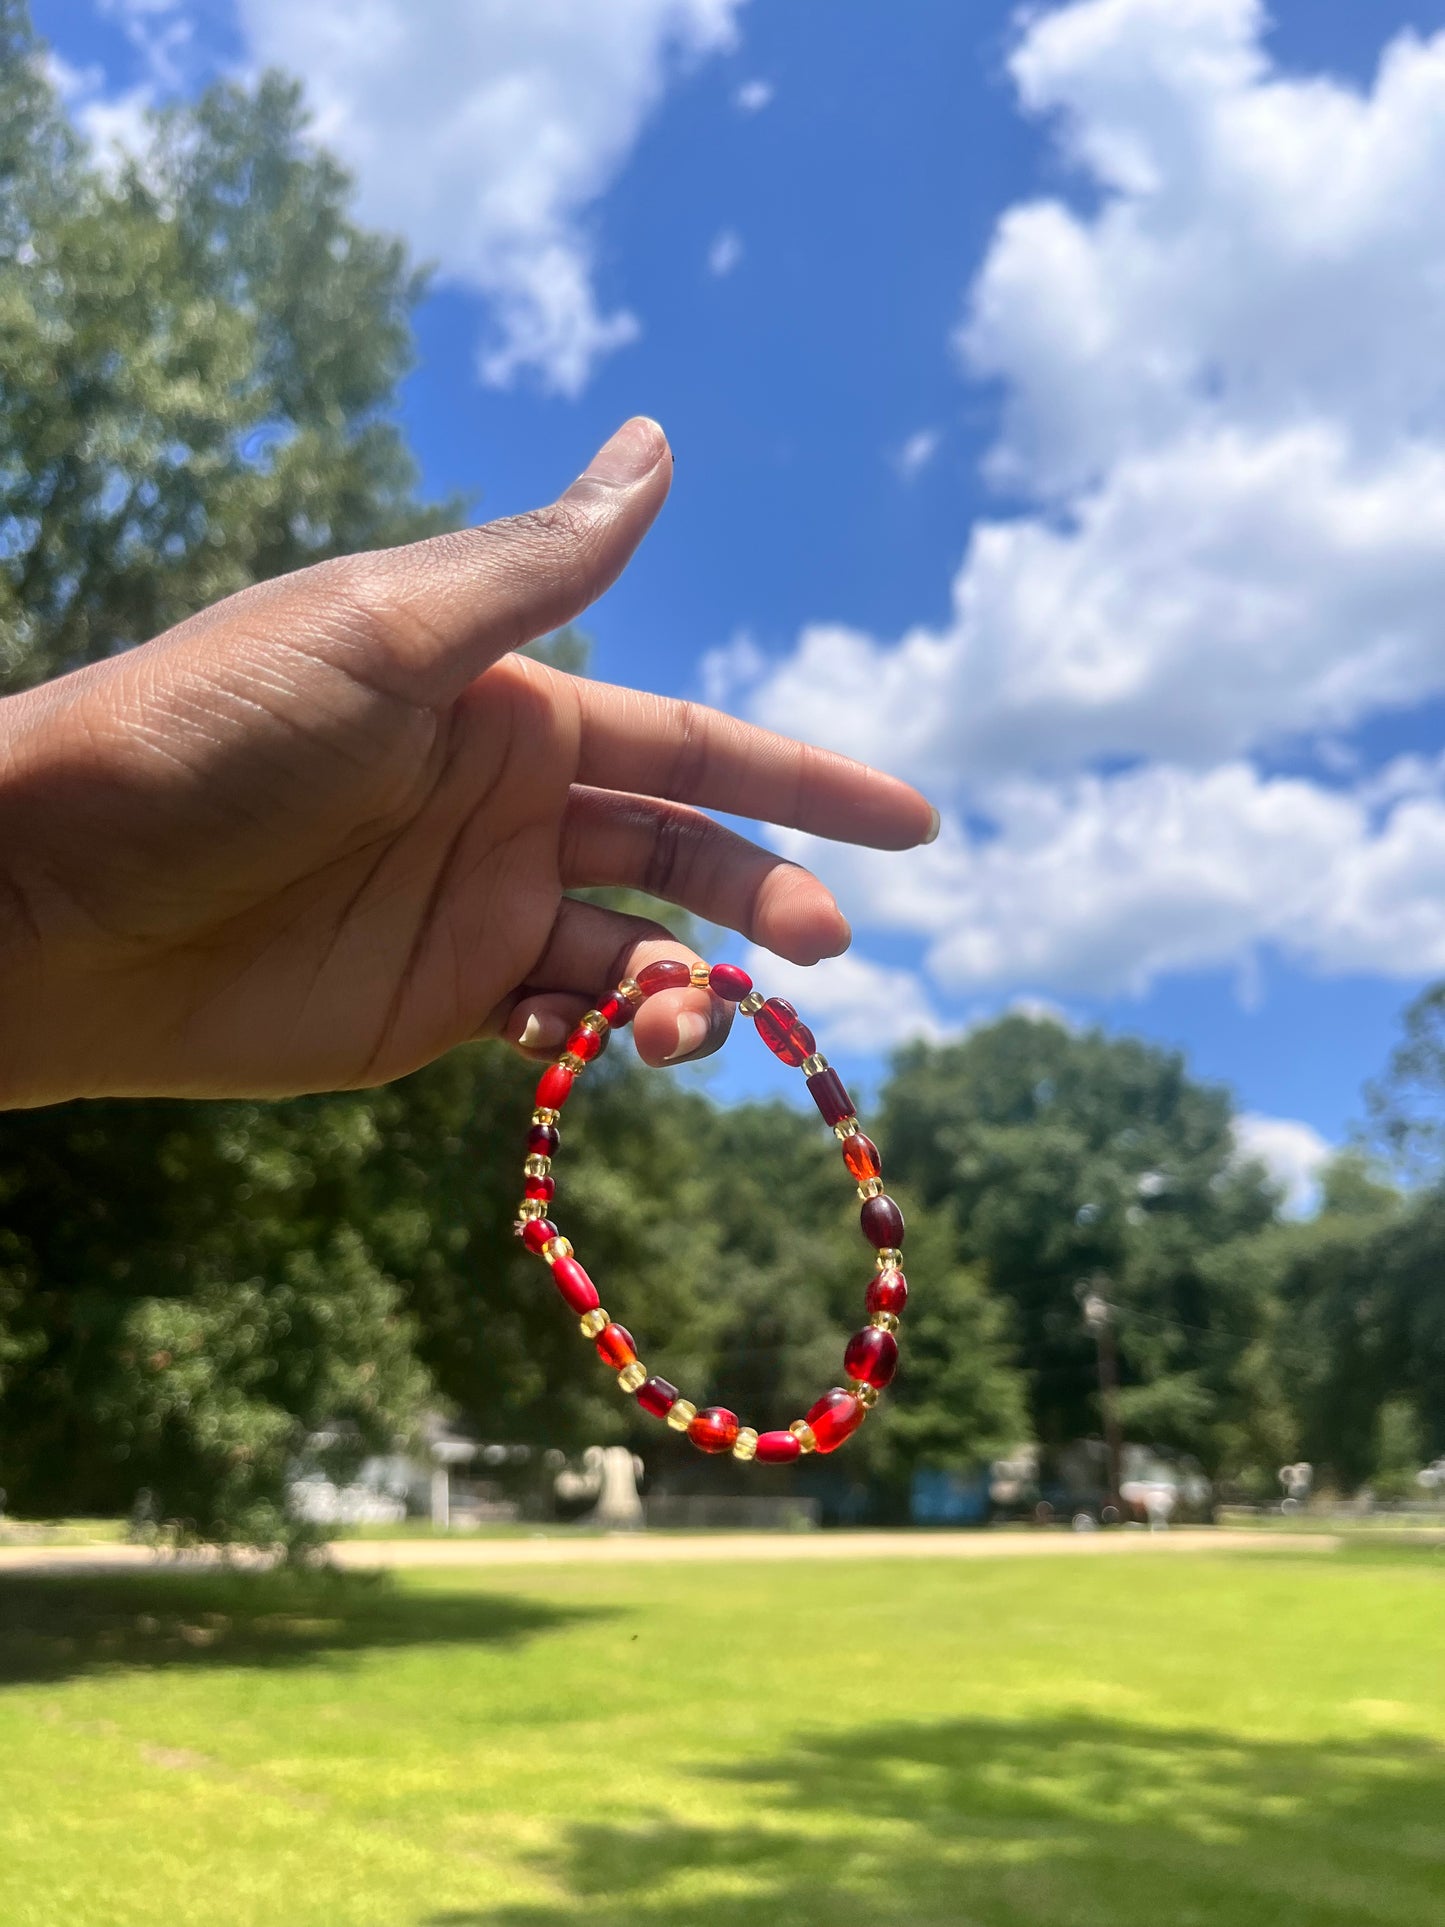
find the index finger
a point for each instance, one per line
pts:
(668, 747)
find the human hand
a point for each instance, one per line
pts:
(319, 833)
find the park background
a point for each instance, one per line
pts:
(1059, 422)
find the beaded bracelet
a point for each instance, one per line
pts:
(871, 1357)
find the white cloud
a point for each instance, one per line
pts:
(753, 96)
(916, 453)
(725, 253)
(1293, 1153)
(854, 1003)
(485, 131)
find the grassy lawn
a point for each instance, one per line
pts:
(1174, 1741)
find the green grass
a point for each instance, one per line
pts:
(1172, 1741)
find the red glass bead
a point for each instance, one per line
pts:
(887, 1291)
(552, 1091)
(835, 1417)
(860, 1154)
(615, 1347)
(544, 1189)
(871, 1357)
(882, 1223)
(586, 1044)
(537, 1232)
(655, 1395)
(575, 1286)
(777, 1448)
(729, 982)
(714, 1430)
(830, 1096)
(544, 1139)
(617, 1010)
(784, 1032)
(666, 975)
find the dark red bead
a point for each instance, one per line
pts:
(655, 1395)
(665, 975)
(729, 982)
(587, 1044)
(542, 1189)
(575, 1286)
(882, 1223)
(714, 1430)
(552, 1091)
(835, 1417)
(887, 1291)
(617, 1010)
(871, 1357)
(777, 1448)
(784, 1032)
(537, 1232)
(860, 1154)
(544, 1139)
(615, 1346)
(830, 1096)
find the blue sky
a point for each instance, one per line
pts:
(1057, 419)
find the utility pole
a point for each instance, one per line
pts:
(1099, 1317)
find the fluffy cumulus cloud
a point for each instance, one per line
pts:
(1291, 1151)
(1222, 385)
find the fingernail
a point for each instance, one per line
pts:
(634, 451)
(935, 824)
(540, 1033)
(692, 1030)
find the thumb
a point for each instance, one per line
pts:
(443, 610)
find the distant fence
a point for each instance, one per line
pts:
(681, 1511)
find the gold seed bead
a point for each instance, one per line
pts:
(804, 1434)
(570, 1061)
(595, 1022)
(752, 1003)
(537, 1166)
(545, 1116)
(884, 1321)
(628, 989)
(866, 1395)
(531, 1208)
(682, 1414)
(746, 1443)
(890, 1259)
(845, 1128)
(631, 1376)
(701, 975)
(592, 1322)
(815, 1065)
(871, 1188)
(556, 1248)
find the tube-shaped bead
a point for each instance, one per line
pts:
(657, 1396)
(832, 1100)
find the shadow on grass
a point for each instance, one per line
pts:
(1068, 1822)
(55, 1626)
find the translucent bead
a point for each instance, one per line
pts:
(557, 1248)
(745, 1444)
(666, 974)
(872, 1355)
(860, 1155)
(537, 1164)
(615, 1348)
(714, 1430)
(657, 1396)
(615, 1011)
(555, 1085)
(585, 1044)
(631, 1376)
(730, 983)
(593, 1020)
(865, 1394)
(784, 1032)
(593, 1321)
(531, 1208)
(882, 1223)
(835, 1417)
(538, 1233)
(803, 1433)
(778, 1448)
(884, 1321)
(701, 976)
(751, 1004)
(889, 1258)
(681, 1414)
(888, 1291)
(570, 1061)
(870, 1188)
(540, 1191)
(828, 1093)
(628, 988)
(544, 1139)
(544, 1116)
(845, 1128)
(815, 1065)
(576, 1287)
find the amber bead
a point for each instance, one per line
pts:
(752, 1003)
(888, 1259)
(778, 1448)
(541, 1189)
(882, 1223)
(866, 1394)
(701, 975)
(664, 975)
(886, 1321)
(552, 1090)
(830, 1097)
(888, 1291)
(815, 1065)
(870, 1188)
(872, 1356)
(730, 983)
(632, 1376)
(803, 1433)
(539, 1116)
(714, 1430)
(594, 1321)
(615, 1347)
(745, 1444)
(845, 1128)
(535, 1165)
(556, 1248)
(538, 1232)
(836, 1417)
(570, 1061)
(657, 1396)
(616, 1010)
(544, 1139)
(784, 1032)
(575, 1286)
(682, 1414)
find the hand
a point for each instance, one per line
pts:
(321, 832)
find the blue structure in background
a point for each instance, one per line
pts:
(949, 1498)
